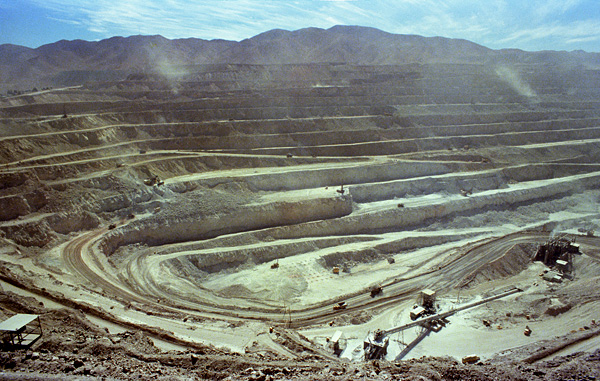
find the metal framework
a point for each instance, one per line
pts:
(20, 331)
(375, 346)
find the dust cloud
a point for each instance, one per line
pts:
(510, 76)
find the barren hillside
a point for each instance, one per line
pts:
(68, 63)
(189, 208)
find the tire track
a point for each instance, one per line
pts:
(444, 277)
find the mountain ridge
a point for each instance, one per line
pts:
(355, 45)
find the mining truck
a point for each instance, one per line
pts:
(376, 290)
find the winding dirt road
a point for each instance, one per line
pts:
(80, 258)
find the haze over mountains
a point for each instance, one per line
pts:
(74, 62)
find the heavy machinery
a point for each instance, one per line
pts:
(153, 180)
(376, 290)
(376, 344)
(338, 343)
(560, 248)
(426, 305)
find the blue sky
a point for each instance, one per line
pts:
(523, 24)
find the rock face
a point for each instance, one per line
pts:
(510, 263)
(12, 207)
(557, 307)
(65, 223)
(208, 226)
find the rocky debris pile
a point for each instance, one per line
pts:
(118, 364)
(72, 348)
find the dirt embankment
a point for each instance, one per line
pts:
(510, 263)
(243, 219)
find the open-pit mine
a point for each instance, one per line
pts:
(285, 212)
